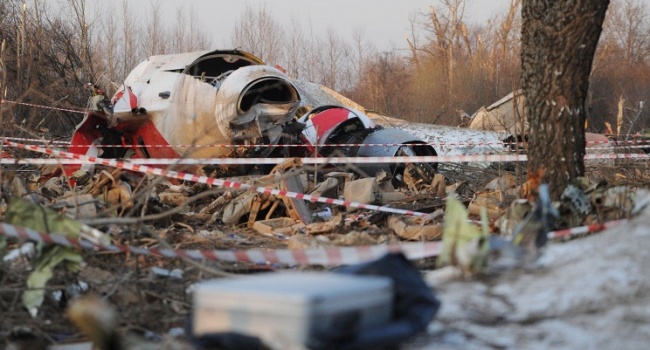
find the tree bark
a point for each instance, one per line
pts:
(559, 38)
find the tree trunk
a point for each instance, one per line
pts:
(559, 39)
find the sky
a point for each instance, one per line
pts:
(385, 23)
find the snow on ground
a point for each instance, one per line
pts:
(590, 293)
(451, 140)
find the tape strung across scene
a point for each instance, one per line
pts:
(129, 165)
(615, 143)
(213, 181)
(332, 256)
(42, 106)
(478, 158)
(629, 144)
(252, 161)
(80, 159)
(583, 230)
(324, 256)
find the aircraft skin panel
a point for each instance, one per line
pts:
(146, 69)
(190, 118)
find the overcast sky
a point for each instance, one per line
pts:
(384, 22)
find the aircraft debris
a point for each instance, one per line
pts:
(277, 226)
(508, 117)
(228, 103)
(439, 186)
(361, 191)
(325, 214)
(316, 228)
(78, 206)
(415, 228)
(493, 201)
(502, 183)
(512, 216)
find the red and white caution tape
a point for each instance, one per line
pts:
(41, 106)
(330, 256)
(252, 161)
(450, 144)
(610, 144)
(39, 141)
(583, 230)
(213, 181)
(482, 158)
(324, 256)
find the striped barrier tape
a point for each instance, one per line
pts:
(451, 144)
(481, 158)
(216, 145)
(213, 181)
(614, 144)
(330, 256)
(583, 230)
(252, 161)
(321, 256)
(40, 141)
(45, 107)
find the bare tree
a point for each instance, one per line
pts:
(296, 48)
(333, 61)
(130, 39)
(628, 26)
(155, 34)
(447, 26)
(310, 56)
(507, 43)
(257, 32)
(559, 39)
(385, 82)
(362, 49)
(80, 21)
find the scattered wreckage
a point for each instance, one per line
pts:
(176, 105)
(508, 116)
(228, 103)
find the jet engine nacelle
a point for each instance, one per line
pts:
(254, 102)
(245, 106)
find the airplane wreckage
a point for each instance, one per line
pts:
(204, 104)
(229, 103)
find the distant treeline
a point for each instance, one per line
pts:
(447, 66)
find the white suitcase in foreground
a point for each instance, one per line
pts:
(291, 307)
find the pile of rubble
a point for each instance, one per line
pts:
(136, 210)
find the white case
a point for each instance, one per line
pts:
(287, 308)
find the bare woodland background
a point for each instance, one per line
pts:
(448, 65)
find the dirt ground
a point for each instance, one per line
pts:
(152, 305)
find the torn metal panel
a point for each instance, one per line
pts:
(506, 115)
(492, 201)
(361, 191)
(284, 226)
(414, 228)
(296, 208)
